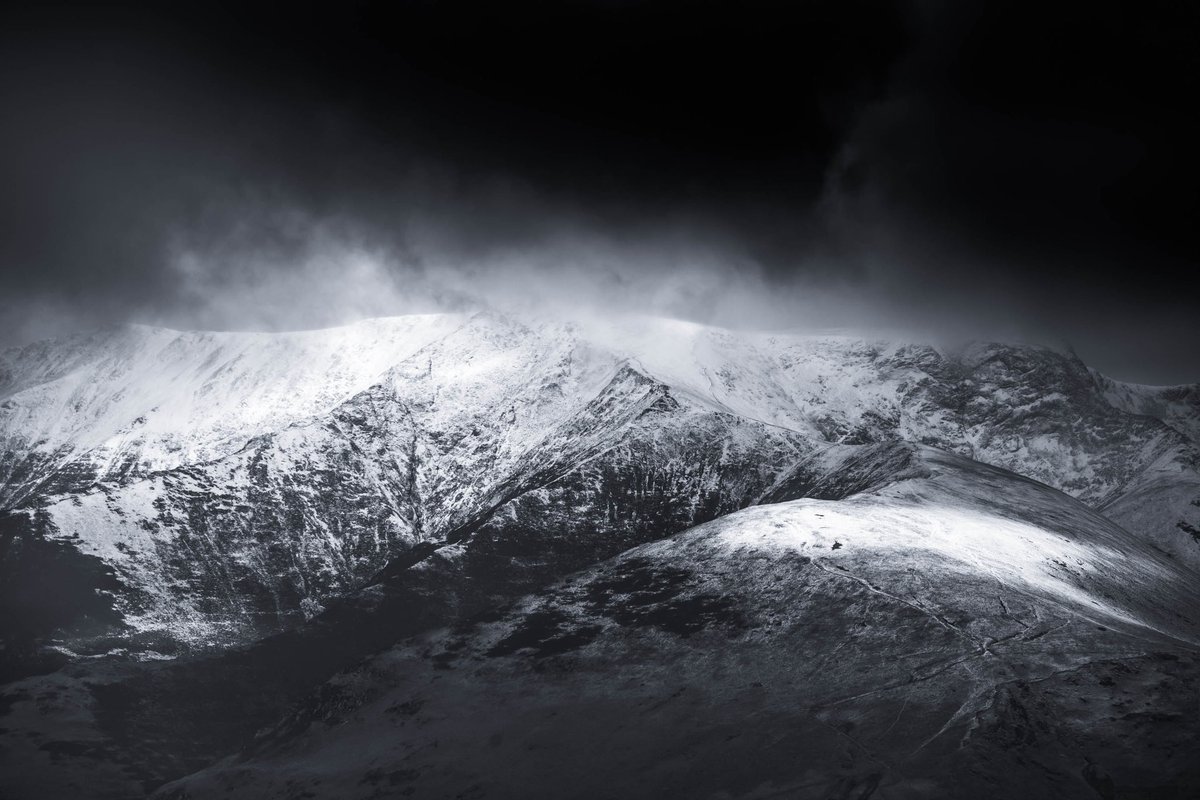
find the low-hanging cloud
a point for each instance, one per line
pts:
(138, 186)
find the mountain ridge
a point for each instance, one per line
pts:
(657, 522)
(463, 402)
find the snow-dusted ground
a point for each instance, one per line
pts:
(1178, 405)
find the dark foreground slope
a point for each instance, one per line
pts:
(963, 632)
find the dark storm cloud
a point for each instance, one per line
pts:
(962, 169)
(1033, 170)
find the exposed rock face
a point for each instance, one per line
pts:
(234, 483)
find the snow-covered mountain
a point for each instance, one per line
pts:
(226, 485)
(633, 557)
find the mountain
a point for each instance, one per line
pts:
(930, 627)
(222, 486)
(957, 632)
(230, 561)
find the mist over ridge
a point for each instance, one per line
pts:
(849, 165)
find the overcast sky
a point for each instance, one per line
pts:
(1009, 170)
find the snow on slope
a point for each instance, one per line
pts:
(1030, 409)
(1129, 450)
(934, 636)
(136, 399)
(145, 399)
(1178, 406)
